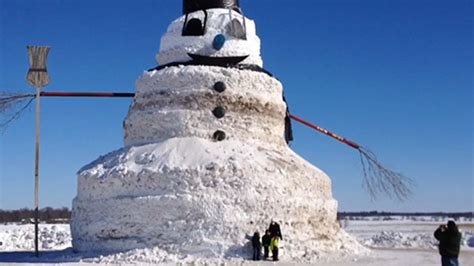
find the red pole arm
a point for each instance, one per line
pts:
(325, 131)
(87, 94)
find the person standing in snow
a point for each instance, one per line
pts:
(449, 239)
(257, 246)
(274, 247)
(266, 240)
(274, 229)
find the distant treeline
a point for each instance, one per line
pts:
(63, 215)
(48, 214)
(411, 214)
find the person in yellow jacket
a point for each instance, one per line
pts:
(274, 247)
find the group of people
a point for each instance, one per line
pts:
(269, 241)
(448, 236)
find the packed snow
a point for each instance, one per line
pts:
(177, 188)
(179, 192)
(409, 234)
(175, 48)
(21, 237)
(178, 102)
(203, 203)
(392, 242)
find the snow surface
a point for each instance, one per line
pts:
(408, 234)
(178, 102)
(177, 190)
(198, 198)
(390, 250)
(21, 237)
(175, 47)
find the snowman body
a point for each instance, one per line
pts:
(205, 161)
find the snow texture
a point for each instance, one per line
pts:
(21, 237)
(192, 196)
(176, 189)
(178, 102)
(175, 47)
(411, 238)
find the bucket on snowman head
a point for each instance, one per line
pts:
(190, 6)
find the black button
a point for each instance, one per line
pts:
(219, 135)
(220, 86)
(219, 112)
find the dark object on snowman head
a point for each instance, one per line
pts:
(219, 112)
(236, 30)
(219, 135)
(197, 26)
(218, 41)
(249, 67)
(216, 61)
(190, 6)
(194, 27)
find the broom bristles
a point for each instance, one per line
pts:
(378, 180)
(12, 106)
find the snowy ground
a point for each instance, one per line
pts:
(394, 242)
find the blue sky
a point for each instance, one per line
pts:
(394, 76)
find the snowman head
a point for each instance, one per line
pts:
(214, 32)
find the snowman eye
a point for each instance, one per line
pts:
(194, 27)
(235, 29)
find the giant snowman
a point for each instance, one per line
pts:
(206, 160)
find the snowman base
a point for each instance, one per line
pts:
(196, 197)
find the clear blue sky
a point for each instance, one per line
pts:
(394, 76)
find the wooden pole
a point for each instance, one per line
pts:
(37, 147)
(37, 77)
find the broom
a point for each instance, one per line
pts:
(377, 178)
(12, 106)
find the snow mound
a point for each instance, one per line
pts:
(401, 240)
(206, 163)
(51, 237)
(390, 239)
(199, 198)
(470, 242)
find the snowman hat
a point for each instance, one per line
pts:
(190, 6)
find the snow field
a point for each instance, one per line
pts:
(395, 243)
(21, 237)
